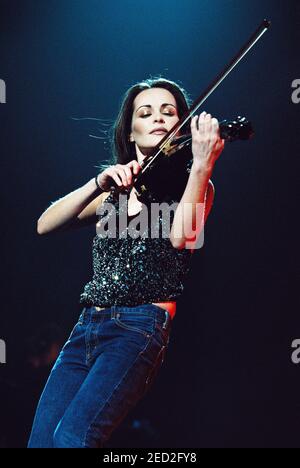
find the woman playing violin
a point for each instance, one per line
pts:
(118, 344)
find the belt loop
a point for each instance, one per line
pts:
(166, 319)
(113, 312)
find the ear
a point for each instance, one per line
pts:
(131, 138)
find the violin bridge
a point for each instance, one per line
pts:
(167, 149)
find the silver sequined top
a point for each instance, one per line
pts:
(132, 271)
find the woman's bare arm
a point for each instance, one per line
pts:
(207, 146)
(199, 195)
(76, 209)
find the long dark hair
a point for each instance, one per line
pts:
(122, 150)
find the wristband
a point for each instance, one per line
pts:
(97, 183)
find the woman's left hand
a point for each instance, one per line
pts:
(206, 142)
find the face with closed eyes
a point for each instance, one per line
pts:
(152, 108)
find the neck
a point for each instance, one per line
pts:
(141, 153)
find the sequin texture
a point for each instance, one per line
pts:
(129, 272)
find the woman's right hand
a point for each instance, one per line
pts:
(121, 174)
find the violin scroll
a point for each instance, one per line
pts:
(238, 129)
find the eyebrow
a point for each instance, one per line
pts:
(164, 104)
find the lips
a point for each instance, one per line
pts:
(160, 129)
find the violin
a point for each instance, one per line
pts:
(164, 176)
(165, 171)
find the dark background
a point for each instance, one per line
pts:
(228, 379)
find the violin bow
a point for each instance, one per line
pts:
(165, 144)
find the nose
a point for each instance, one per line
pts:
(159, 118)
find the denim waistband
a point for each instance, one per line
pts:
(95, 312)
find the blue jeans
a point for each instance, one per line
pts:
(106, 366)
